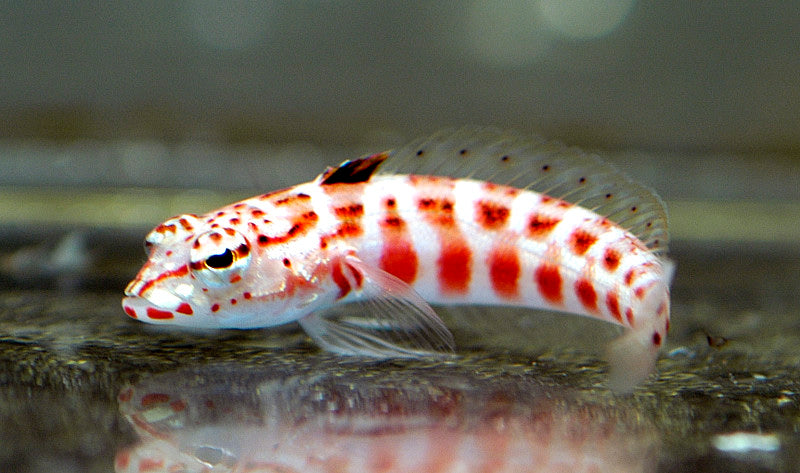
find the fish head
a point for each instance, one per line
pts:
(205, 276)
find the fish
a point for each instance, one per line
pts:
(474, 215)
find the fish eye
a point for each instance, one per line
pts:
(219, 257)
(220, 261)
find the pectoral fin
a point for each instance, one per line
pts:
(385, 319)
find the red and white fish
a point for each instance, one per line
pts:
(474, 216)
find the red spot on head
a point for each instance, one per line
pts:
(263, 240)
(235, 278)
(234, 301)
(168, 253)
(184, 308)
(166, 228)
(612, 302)
(656, 339)
(581, 240)
(242, 251)
(150, 399)
(215, 237)
(611, 259)
(586, 293)
(540, 225)
(185, 224)
(491, 215)
(548, 279)
(130, 311)
(256, 213)
(390, 203)
(504, 270)
(235, 221)
(158, 314)
(454, 264)
(247, 295)
(214, 307)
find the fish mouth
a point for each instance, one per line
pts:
(143, 309)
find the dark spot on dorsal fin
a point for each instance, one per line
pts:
(353, 171)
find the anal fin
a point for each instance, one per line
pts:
(385, 319)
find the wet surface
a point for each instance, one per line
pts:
(730, 364)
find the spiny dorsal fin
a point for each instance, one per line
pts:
(548, 167)
(353, 171)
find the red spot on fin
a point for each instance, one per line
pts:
(130, 311)
(353, 171)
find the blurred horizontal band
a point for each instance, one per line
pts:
(130, 208)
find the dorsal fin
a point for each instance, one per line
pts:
(353, 171)
(548, 167)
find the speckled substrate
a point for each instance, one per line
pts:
(730, 364)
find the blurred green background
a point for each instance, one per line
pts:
(655, 75)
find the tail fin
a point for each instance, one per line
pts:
(633, 355)
(632, 358)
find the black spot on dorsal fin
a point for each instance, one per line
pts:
(353, 171)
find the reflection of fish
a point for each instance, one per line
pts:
(446, 225)
(229, 419)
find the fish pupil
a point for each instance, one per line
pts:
(220, 261)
